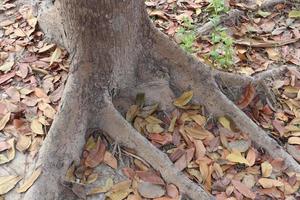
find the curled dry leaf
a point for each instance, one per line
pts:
(183, 99)
(23, 143)
(269, 183)
(55, 56)
(237, 157)
(4, 120)
(28, 183)
(266, 169)
(248, 96)
(108, 185)
(37, 127)
(110, 160)
(8, 182)
(243, 189)
(96, 155)
(294, 140)
(10, 153)
(251, 157)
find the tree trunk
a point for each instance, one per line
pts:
(116, 52)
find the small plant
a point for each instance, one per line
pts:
(222, 53)
(187, 35)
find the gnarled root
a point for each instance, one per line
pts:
(122, 132)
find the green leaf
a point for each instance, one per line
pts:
(263, 13)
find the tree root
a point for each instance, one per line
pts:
(187, 72)
(123, 133)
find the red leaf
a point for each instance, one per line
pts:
(150, 177)
(248, 96)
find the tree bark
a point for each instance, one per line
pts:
(115, 50)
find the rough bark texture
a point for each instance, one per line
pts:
(116, 52)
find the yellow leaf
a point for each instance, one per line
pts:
(172, 124)
(199, 133)
(237, 157)
(119, 195)
(225, 122)
(91, 178)
(10, 152)
(70, 177)
(4, 120)
(32, 22)
(108, 184)
(199, 119)
(132, 113)
(55, 56)
(7, 66)
(154, 128)
(37, 127)
(153, 120)
(183, 99)
(269, 183)
(266, 169)
(8, 182)
(294, 140)
(28, 183)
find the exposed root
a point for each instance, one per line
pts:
(122, 132)
(208, 93)
(233, 14)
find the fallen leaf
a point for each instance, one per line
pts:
(150, 177)
(110, 160)
(37, 127)
(225, 122)
(7, 66)
(28, 183)
(23, 143)
(183, 99)
(96, 155)
(199, 133)
(8, 182)
(108, 184)
(237, 157)
(4, 120)
(248, 96)
(251, 157)
(294, 140)
(294, 14)
(150, 190)
(154, 128)
(243, 189)
(132, 113)
(55, 56)
(269, 183)
(266, 169)
(10, 153)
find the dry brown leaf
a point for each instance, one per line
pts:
(266, 169)
(183, 99)
(110, 160)
(132, 113)
(23, 143)
(237, 157)
(96, 155)
(243, 189)
(10, 153)
(8, 182)
(199, 119)
(251, 157)
(172, 124)
(55, 56)
(108, 184)
(28, 183)
(248, 96)
(46, 47)
(154, 128)
(294, 140)
(37, 127)
(150, 177)
(269, 183)
(199, 133)
(4, 120)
